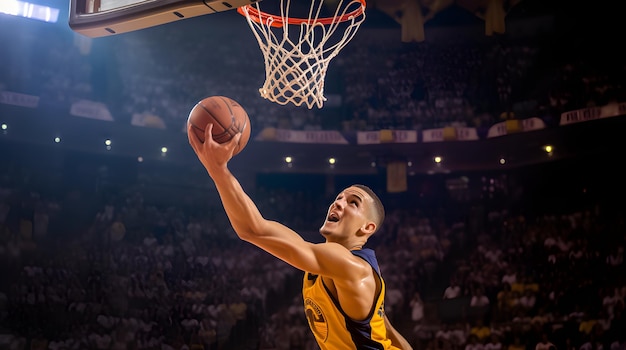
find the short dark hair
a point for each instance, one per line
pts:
(379, 208)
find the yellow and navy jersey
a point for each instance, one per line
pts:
(332, 328)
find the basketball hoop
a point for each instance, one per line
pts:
(297, 50)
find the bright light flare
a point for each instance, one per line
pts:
(26, 9)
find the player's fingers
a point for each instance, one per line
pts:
(234, 141)
(208, 133)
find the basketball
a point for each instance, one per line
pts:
(226, 115)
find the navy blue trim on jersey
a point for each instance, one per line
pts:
(361, 331)
(369, 256)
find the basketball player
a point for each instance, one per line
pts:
(343, 290)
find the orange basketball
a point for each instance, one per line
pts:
(226, 115)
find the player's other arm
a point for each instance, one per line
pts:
(396, 338)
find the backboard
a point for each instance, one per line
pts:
(98, 18)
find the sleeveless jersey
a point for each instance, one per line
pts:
(332, 328)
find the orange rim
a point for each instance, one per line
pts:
(261, 17)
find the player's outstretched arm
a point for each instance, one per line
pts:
(328, 259)
(397, 339)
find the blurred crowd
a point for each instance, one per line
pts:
(136, 277)
(164, 71)
(113, 270)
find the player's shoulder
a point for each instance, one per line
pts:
(368, 256)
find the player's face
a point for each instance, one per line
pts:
(347, 214)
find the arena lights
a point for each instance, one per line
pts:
(549, 150)
(410, 169)
(289, 161)
(438, 167)
(29, 10)
(331, 162)
(57, 139)
(163, 151)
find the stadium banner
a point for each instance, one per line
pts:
(17, 99)
(529, 124)
(593, 113)
(440, 135)
(388, 136)
(396, 177)
(91, 110)
(148, 120)
(302, 136)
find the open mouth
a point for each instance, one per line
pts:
(333, 218)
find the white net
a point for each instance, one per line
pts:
(297, 51)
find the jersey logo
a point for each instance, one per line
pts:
(317, 321)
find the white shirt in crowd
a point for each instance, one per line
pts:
(452, 292)
(479, 301)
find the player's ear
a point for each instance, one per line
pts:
(368, 228)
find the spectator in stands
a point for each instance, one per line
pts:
(505, 300)
(494, 343)
(458, 334)
(481, 331)
(479, 299)
(417, 308)
(545, 343)
(587, 324)
(444, 333)
(479, 304)
(474, 343)
(591, 342)
(453, 290)
(528, 300)
(516, 344)
(510, 276)
(394, 299)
